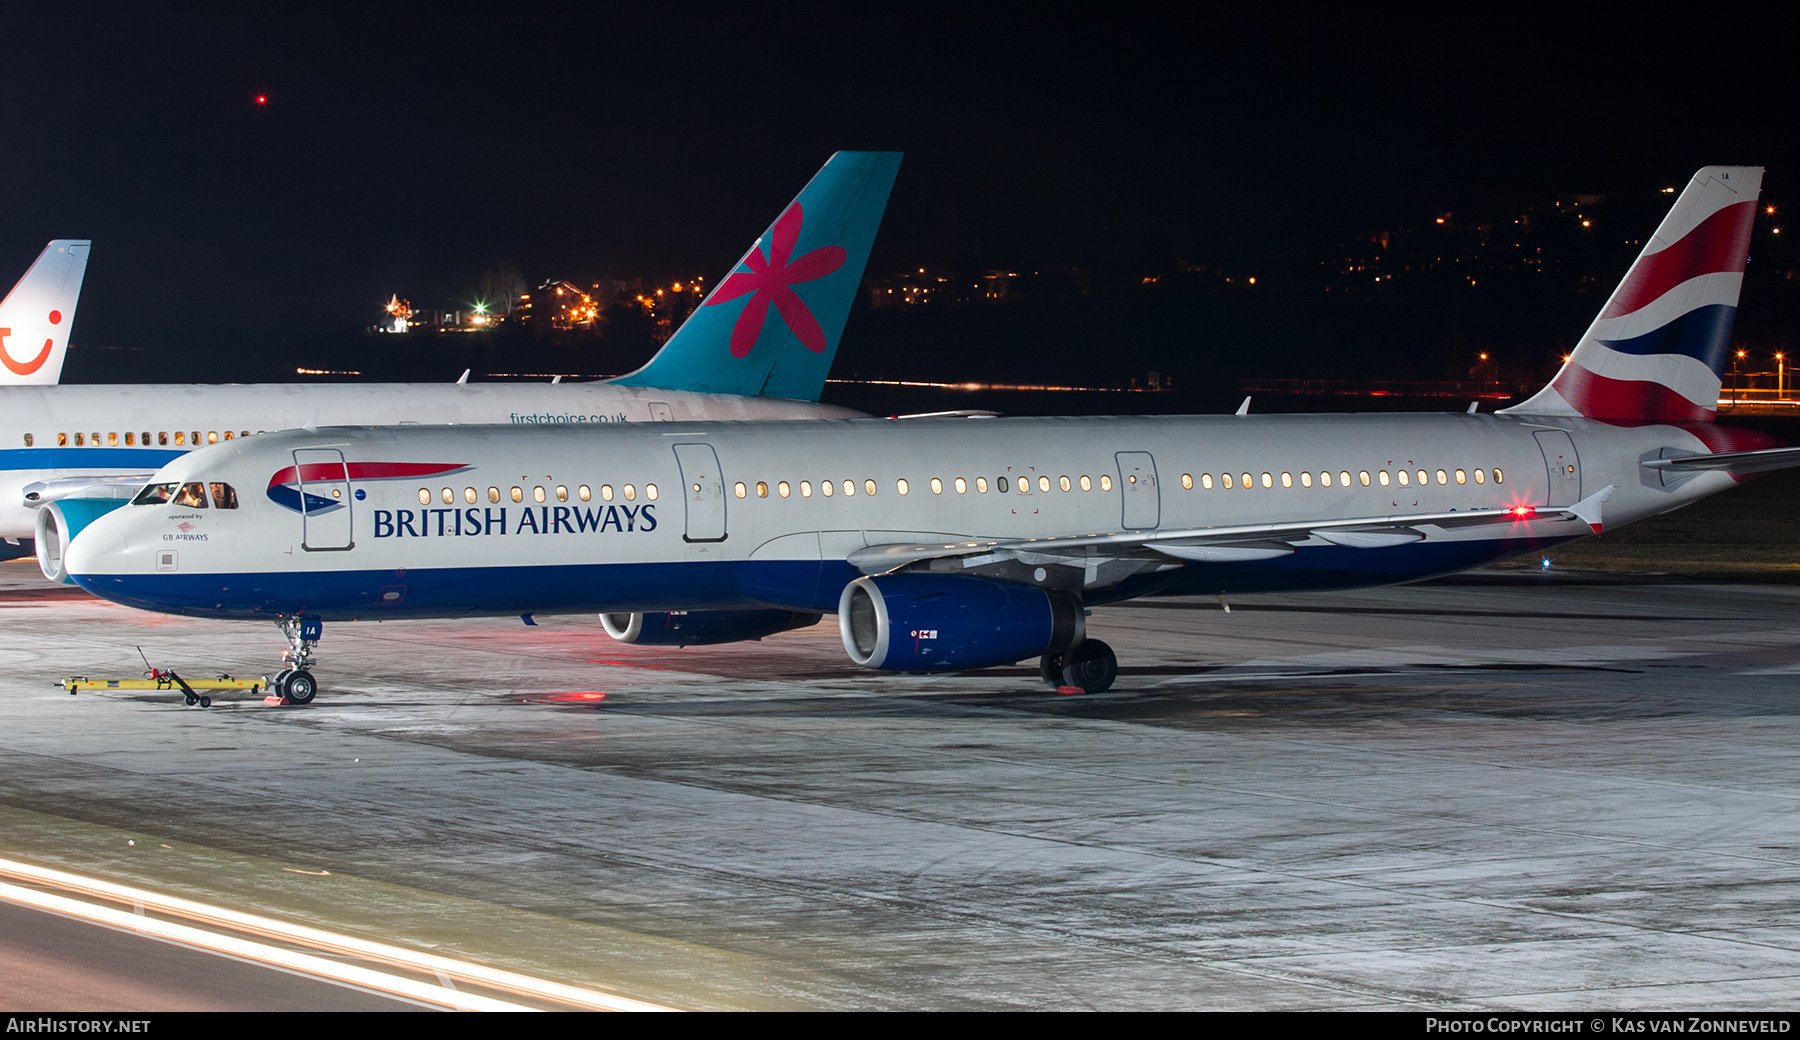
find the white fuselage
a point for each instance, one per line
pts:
(52, 433)
(514, 519)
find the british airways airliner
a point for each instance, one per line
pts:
(60, 445)
(949, 543)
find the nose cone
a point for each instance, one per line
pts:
(99, 549)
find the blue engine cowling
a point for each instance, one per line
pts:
(926, 622)
(702, 627)
(57, 524)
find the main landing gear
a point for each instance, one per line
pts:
(1091, 666)
(295, 684)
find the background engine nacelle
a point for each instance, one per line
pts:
(926, 622)
(702, 627)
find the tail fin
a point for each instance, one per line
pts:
(35, 317)
(805, 269)
(1658, 349)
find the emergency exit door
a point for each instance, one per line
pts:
(1142, 507)
(1563, 465)
(703, 490)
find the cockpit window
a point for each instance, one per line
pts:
(191, 496)
(224, 496)
(155, 495)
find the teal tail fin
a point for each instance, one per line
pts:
(771, 327)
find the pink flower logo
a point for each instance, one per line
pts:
(769, 279)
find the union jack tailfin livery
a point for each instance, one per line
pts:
(1658, 349)
(770, 328)
(35, 317)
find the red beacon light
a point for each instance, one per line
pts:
(262, 99)
(1523, 512)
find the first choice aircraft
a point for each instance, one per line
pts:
(949, 543)
(758, 347)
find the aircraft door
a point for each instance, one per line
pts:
(1137, 486)
(703, 489)
(325, 500)
(1563, 466)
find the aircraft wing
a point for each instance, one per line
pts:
(114, 485)
(1109, 557)
(1743, 463)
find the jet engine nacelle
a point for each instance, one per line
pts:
(58, 523)
(924, 622)
(702, 627)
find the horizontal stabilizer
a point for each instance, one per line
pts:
(1739, 463)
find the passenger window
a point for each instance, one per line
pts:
(112, 440)
(191, 496)
(212, 436)
(1305, 479)
(470, 495)
(650, 492)
(518, 494)
(28, 440)
(1003, 485)
(1404, 480)
(849, 487)
(1187, 481)
(78, 440)
(806, 489)
(1249, 481)
(1105, 482)
(155, 495)
(163, 437)
(1088, 485)
(1226, 478)
(1424, 478)
(493, 494)
(62, 440)
(243, 433)
(826, 488)
(1044, 483)
(782, 489)
(224, 496)
(1363, 476)
(762, 489)
(537, 493)
(449, 496)
(937, 486)
(129, 440)
(1063, 482)
(1442, 477)
(1384, 477)
(227, 434)
(562, 493)
(1462, 477)
(1344, 478)
(868, 487)
(1325, 479)
(981, 485)
(606, 493)
(424, 496)
(196, 438)
(1205, 481)
(961, 485)
(1267, 481)
(739, 490)
(144, 438)
(180, 438)
(1481, 476)
(1499, 478)
(630, 493)
(1287, 480)
(900, 485)
(583, 493)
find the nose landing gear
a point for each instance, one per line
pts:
(295, 684)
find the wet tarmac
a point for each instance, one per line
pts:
(1502, 792)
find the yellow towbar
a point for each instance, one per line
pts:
(166, 679)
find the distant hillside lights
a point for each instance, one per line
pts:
(401, 317)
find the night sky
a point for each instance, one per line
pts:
(408, 153)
